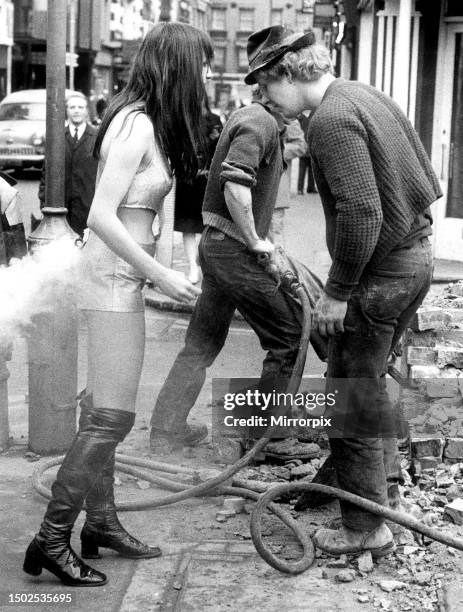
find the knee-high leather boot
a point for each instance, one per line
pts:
(102, 527)
(91, 449)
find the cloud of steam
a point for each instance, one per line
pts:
(33, 285)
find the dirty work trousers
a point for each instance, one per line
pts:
(378, 312)
(232, 279)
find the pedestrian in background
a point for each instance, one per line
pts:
(294, 145)
(376, 184)
(80, 165)
(100, 108)
(189, 196)
(305, 163)
(150, 130)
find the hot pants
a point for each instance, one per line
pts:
(107, 282)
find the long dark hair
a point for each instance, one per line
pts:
(166, 78)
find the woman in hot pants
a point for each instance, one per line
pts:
(149, 132)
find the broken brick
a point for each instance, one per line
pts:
(428, 463)
(438, 413)
(453, 597)
(454, 511)
(421, 355)
(430, 318)
(449, 355)
(427, 447)
(442, 387)
(444, 479)
(424, 371)
(454, 448)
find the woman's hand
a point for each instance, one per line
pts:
(175, 285)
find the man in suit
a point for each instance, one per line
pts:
(80, 165)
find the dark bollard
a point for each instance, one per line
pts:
(53, 345)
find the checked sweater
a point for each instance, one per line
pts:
(374, 178)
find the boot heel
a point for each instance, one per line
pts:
(89, 549)
(32, 565)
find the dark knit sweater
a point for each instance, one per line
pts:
(249, 152)
(373, 175)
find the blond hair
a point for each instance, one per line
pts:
(307, 64)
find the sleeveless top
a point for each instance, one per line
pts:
(151, 183)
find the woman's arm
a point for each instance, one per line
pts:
(126, 151)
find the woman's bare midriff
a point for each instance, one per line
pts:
(139, 223)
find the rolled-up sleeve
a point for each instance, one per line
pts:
(251, 144)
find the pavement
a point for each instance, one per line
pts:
(205, 565)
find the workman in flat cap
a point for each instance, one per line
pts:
(376, 185)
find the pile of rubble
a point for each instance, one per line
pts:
(433, 363)
(419, 575)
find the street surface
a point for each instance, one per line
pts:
(206, 565)
(188, 524)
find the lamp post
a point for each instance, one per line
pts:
(53, 339)
(72, 40)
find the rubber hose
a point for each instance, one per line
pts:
(212, 485)
(365, 504)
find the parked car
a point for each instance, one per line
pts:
(22, 128)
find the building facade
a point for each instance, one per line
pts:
(6, 46)
(30, 32)
(230, 24)
(413, 51)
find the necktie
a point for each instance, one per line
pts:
(76, 135)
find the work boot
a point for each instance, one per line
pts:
(379, 542)
(102, 527)
(91, 449)
(165, 442)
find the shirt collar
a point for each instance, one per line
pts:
(80, 129)
(276, 115)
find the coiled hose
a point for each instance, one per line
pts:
(253, 490)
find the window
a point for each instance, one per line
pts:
(277, 16)
(201, 19)
(246, 20)
(219, 58)
(24, 111)
(308, 5)
(218, 19)
(242, 59)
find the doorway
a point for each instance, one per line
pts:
(448, 143)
